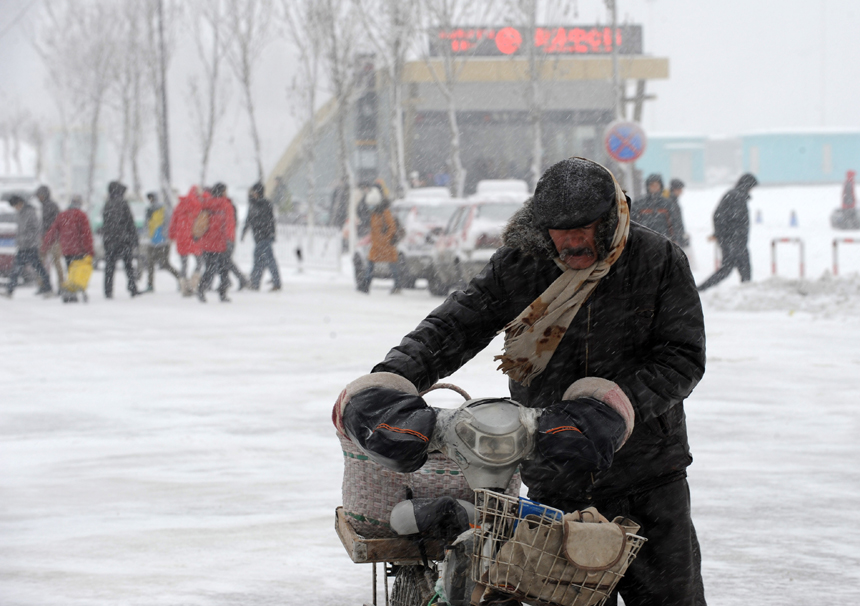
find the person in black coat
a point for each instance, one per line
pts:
(610, 371)
(659, 213)
(119, 235)
(261, 222)
(732, 232)
(50, 212)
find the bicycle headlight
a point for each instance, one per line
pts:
(488, 439)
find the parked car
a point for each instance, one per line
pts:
(474, 233)
(422, 214)
(8, 231)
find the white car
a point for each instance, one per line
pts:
(422, 214)
(474, 233)
(8, 232)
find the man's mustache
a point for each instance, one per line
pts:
(577, 251)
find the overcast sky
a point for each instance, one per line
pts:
(735, 66)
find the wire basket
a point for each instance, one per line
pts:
(519, 549)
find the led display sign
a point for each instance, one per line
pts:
(551, 40)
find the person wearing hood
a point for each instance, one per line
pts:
(383, 238)
(213, 242)
(50, 211)
(732, 232)
(261, 222)
(27, 240)
(659, 213)
(119, 234)
(604, 332)
(846, 217)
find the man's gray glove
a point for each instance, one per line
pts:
(385, 417)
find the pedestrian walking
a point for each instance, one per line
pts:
(50, 211)
(180, 232)
(27, 239)
(220, 190)
(119, 234)
(72, 233)
(732, 232)
(212, 228)
(157, 221)
(261, 222)
(383, 238)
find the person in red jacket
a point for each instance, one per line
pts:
(213, 244)
(72, 230)
(180, 232)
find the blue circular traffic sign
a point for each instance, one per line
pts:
(625, 141)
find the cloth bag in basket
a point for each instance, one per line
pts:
(575, 562)
(371, 491)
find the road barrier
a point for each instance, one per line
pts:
(776, 241)
(836, 242)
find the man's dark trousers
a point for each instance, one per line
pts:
(24, 257)
(264, 258)
(734, 255)
(667, 571)
(215, 263)
(111, 257)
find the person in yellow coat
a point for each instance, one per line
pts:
(384, 232)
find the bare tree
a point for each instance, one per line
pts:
(249, 22)
(339, 22)
(527, 14)
(304, 29)
(446, 16)
(209, 99)
(34, 134)
(134, 108)
(78, 43)
(13, 125)
(391, 26)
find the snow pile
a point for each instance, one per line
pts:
(826, 297)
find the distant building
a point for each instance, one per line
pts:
(813, 156)
(492, 113)
(776, 158)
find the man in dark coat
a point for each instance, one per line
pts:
(50, 211)
(119, 235)
(732, 232)
(659, 213)
(261, 221)
(27, 240)
(605, 333)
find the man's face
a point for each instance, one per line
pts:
(677, 192)
(654, 187)
(576, 247)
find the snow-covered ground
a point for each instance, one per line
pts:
(158, 451)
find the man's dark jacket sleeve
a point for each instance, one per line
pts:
(454, 332)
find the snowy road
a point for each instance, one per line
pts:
(160, 452)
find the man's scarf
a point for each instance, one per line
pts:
(532, 337)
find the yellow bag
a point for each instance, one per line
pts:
(80, 271)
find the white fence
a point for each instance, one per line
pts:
(300, 247)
